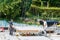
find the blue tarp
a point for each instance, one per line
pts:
(51, 22)
(4, 23)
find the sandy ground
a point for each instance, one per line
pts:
(5, 36)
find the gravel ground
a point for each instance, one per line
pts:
(5, 36)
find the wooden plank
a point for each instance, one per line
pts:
(24, 31)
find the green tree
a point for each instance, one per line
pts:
(25, 5)
(14, 8)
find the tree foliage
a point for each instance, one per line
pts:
(22, 8)
(51, 10)
(14, 8)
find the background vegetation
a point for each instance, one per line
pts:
(32, 9)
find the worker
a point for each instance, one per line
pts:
(11, 29)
